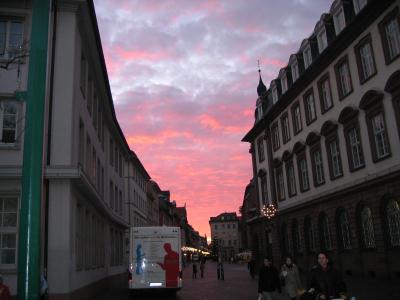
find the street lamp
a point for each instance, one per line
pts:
(269, 211)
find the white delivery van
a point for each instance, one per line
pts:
(155, 259)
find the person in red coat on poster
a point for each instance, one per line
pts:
(4, 290)
(171, 266)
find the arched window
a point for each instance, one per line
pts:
(297, 238)
(393, 222)
(344, 229)
(285, 239)
(367, 228)
(325, 232)
(309, 233)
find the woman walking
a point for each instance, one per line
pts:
(291, 278)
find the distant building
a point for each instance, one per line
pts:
(325, 143)
(225, 231)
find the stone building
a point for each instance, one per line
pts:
(325, 143)
(225, 231)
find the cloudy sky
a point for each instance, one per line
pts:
(183, 74)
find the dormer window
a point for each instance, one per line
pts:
(274, 94)
(284, 83)
(307, 57)
(322, 40)
(295, 70)
(359, 5)
(339, 20)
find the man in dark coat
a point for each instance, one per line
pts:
(325, 281)
(268, 281)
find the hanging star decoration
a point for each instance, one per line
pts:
(269, 211)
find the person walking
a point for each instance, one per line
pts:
(202, 266)
(268, 281)
(4, 290)
(220, 269)
(291, 278)
(194, 274)
(251, 266)
(325, 281)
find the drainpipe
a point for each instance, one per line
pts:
(32, 168)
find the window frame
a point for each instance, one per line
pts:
(8, 19)
(307, 56)
(357, 7)
(344, 238)
(324, 78)
(343, 61)
(291, 191)
(275, 136)
(309, 118)
(280, 183)
(328, 140)
(394, 14)
(294, 67)
(10, 229)
(366, 40)
(302, 156)
(314, 149)
(17, 118)
(294, 119)
(347, 128)
(339, 12)
(325, 233)
(285, 126)
(260, 149)
(370, 114)
(322, 38)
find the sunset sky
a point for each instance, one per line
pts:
(183, 75)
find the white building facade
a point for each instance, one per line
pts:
(86, 196)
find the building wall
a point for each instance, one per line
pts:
(370, 186)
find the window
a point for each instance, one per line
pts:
(303, 172)
(307, 57)
(284, 83)
(317, 165)
(295, 71)
(260, 148)
(354, 147)
(390, 35)
(309, 107)
(291, 180)
(325, 233)
(275, 136)
(296, 116)
(297, 239)
(11, 37)
(280, 183)
(367, 228)
(365, 59)
(343, 77)
(8, 231)
(8, 121)
(83, 75)
(393, 222)
(285, 128)
(335, 163)
(359, 5)
(259, 111)
(344, 230)
(380, 136)
(322, 40)
(325, 93)
(339, 20)
(309, 233)
(275, 96)
(264, 189)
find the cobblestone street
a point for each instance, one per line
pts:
(238, 285)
